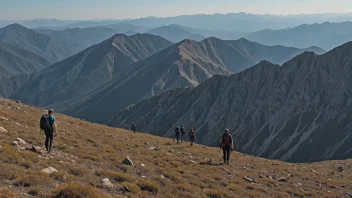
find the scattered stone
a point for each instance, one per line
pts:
(3, 130)
(107, 183)
(127, 161)
(193, 161)
(125, 189)
(340, 169)
(146, 143)
(162, 176)
(3, 118)
(335, 187)
(18, 124)
(20, 141)
(210, 161)
(17, 101)
(15, 143)
(171, 151)
(250, 179)
(18, 108)
(49, 170)
(35, 149)
(142, 165)
(154, 148)
(282, 179)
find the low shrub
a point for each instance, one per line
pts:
(77, 190)
(133, 187)
(150, 186)
(8, 193)
(32, 179)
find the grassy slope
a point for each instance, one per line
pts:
(85, 153)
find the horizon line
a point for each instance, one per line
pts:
(162, 17)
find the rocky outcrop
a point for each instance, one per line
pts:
(298, 112)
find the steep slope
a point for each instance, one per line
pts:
(85, 153)
(40, 44)
(74, 77)
(187, 63)
(15, 61)
(175, 33)
(326, 35)
(298, 112)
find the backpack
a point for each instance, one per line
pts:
(177, 130)
(183, 130)
(192, 134)
(226, 139)
(44, 123)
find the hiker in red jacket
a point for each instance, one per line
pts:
(192, 136)
(226, 143)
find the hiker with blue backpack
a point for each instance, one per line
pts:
(226, 144)
(48, 125)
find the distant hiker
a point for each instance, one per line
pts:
(226, 144)
(133, 128)
(192, 136)
(183, 131)
(177, 134)
(48, 125)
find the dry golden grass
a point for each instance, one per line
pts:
(85, 153)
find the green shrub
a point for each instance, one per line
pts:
(77, 190)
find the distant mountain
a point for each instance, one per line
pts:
(300, 112)
(77, 75)
(325, 35)
(175, 33)
(187, 63)
(15, 61)
(81, 37)
(40, 44)
(106, 78)
(239, 22)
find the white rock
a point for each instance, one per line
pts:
(49, 170)
(107, 183)
(3, 118)
(3, 130)
(143, 165)
(20, 141)
(18, 124)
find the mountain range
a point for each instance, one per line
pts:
(97, 83)
(43, 45)
(326, 35)
(298, 112)
(175, 33)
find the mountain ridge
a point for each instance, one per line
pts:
(272, 111)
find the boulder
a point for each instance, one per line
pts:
(127, 161)
(3, 130)
(107, 183)
(340, 169)
(49, 170)
(35, 149)
(20, 141)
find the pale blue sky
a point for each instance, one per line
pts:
(117, 9)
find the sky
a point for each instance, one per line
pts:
(121, 9)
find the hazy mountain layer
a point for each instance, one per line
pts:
(175, 33)
(325, 35)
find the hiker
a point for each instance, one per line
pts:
(48, 125)
(192, 136)
(133, 128)
(177, 134)
(182, 132)
(226, 144)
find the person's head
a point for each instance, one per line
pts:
(183, 125)
(191, 129)
(50, 111)
(227, 130)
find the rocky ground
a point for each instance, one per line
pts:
(91, 160)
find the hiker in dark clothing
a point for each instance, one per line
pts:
(47, 123)
(192, 136)
(183, 131)
(133, 128)
(177, 134)
(226, 143)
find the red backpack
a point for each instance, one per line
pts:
(192, 134)
(226, 139)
